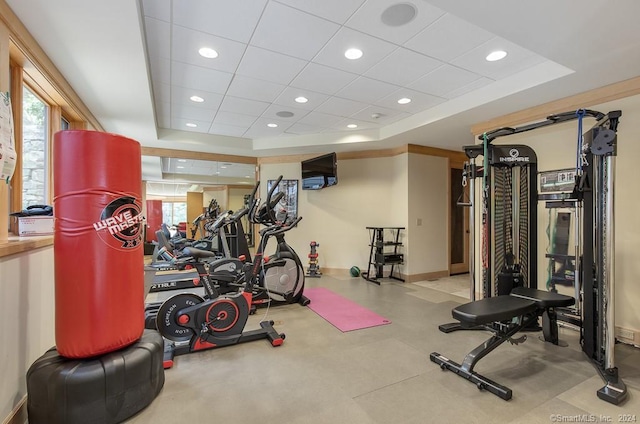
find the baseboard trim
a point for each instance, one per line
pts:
(426, 276)
(19, 413)
(343, 272)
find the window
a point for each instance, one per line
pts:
(34, 149)
(174, 212)
(64, 124)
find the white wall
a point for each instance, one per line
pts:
(27, 320)
(220, 194)
(374, 192)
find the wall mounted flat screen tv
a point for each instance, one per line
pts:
(320, 172)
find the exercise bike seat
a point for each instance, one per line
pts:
(544, 299)
(491, 309)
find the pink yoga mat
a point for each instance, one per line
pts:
(342, 313)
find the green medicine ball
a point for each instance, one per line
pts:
(355, 271)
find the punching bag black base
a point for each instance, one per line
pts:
(105, 389)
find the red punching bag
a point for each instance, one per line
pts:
(98, 253)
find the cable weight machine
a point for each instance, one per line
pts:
(508, 228)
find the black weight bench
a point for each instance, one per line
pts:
(504, 316)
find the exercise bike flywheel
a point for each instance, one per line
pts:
(166, 320)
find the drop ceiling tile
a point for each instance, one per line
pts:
(402, 67)
(322, 79)
(391, 119)
(479, 83)
(320, 119)
(235, 119)
(244, 106)
(223, 129)
(186, 42)
(199, 78)
(334, 10)
(181, 124)
(163, 114)
(160, 70)
(158, 9)
(287, 30)
(289, 94)
(231, 19)
(448, 38)
(158, 37)
(190, 112)
(256, 89)
(362, 125)
(368, 19)
(267, 65)
(419, 101)
(373, 49)
(517, 59)
(366, 90)
(443, 80)
(161, 92)
(379, 115)
(341, 107)
(260, 129)
(181, 95)
(299, 128)
(271, 111)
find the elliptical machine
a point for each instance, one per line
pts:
(282, 276)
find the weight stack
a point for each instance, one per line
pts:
(102, 390)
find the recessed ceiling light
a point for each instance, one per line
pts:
(272, 125)
(352, 126)
(196, 99)
(207, 52)
(497, 55)
(246, 176)
(301, 99)
(180, 167)
(353, 54)
(223, 167)
(404, 100)
(182, 160)
(191, 125)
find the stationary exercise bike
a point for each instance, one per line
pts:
(193, 323)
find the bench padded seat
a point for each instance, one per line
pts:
(544, 299)
(499, 308)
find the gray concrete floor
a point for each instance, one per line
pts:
(383, 374)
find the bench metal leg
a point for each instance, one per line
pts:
(466, 369)
(481, 382)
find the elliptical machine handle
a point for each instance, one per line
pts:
(286, 227)
(268, 204)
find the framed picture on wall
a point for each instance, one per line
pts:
(287, 208)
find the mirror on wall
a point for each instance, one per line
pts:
(187, 187)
